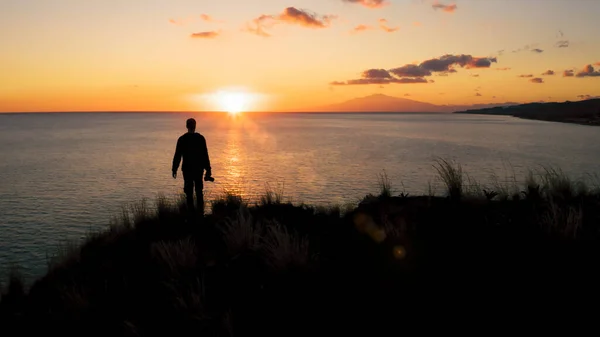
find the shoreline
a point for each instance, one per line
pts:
(594, 122)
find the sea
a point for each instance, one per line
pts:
(63, 175)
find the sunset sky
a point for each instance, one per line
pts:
(99, 55)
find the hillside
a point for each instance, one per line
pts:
(582, 112)
(378, 268)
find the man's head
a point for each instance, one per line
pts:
(191, 124)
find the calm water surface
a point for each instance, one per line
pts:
(64, 174)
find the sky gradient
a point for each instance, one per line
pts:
(171, 55)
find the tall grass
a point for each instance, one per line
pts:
(284, 248)
(452, 176)
(271, 197)
(241, 233)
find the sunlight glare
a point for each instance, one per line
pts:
(233, 102)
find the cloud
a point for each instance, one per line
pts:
(478, 95)
(500, 52)
(446, 8)
(191, 19)
(588, 71)
(407, 95)
(417, 24)
(206, 17)
(562, 44)
(587, 97)
(568, 73)
(376, 73)
(259, 24)
(301, 17)
(475, 75)
(290, 15)
(536, 80)
(205, 35)
(548, 73)
(411, 70)
(413, 73)
(369, 3)
(361, 28)
(383, 24)
(597, 64)
(380, 81)
(526, 76)
(529, 47)
(444, 63)
(503, 69)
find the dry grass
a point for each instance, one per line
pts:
(285, 249)
(452, 176)
(241, 233)
(176, 256)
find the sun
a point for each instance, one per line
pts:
(233, 102)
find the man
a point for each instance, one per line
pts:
(192, 147)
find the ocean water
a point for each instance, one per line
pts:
(64, 174)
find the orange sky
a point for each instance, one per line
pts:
(135, 55)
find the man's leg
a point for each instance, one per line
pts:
(199, 185)
(188, 189)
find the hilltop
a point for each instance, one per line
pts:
(585, 112)
(495, 255)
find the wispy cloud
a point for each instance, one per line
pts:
(205, 35)
(562, 44)
(529, 47)
(526, 76)
(568, 73)
(304, 18)
(446, 8)
(503, 69)
(588, 71)
(597, 64)
(192, 19)
(290, 15)
(548, 73)
(475, 75)
(380, 81)
(478, 95)
(383, 24)
(361, 28)
(536, 80)
(413, 73)
(587, 97)
(417, 24)
(369, 3)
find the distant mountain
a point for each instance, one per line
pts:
(580, 112)
(381, 103)
(384, 103)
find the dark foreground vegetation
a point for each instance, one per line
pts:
(585, 112)
(480, 258)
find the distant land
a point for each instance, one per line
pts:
(384, 103)
(585, 112)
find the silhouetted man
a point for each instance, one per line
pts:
(192, 147)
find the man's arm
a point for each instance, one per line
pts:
(207, 160)
(177, 158)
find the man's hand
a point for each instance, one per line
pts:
(174, 174)
(208, 176)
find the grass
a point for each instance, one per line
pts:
(273, 268)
